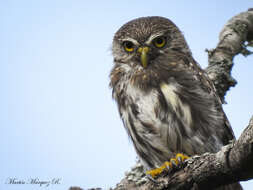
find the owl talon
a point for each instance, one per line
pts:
(167, 166)
(174, 162)
(181, 158)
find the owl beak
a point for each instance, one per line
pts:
(143, 51)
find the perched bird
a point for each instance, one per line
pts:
(168, 105)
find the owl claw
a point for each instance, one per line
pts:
(167, 166)
(174, 162)
(181, 158)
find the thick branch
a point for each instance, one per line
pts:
(232, 40)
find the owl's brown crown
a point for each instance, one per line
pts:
(143, 31)
(142, 28)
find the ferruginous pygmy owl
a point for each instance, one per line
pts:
(167, 104)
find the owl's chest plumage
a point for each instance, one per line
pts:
(146, 102)
(168, 116)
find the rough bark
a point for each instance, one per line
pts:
(234, 38)
(233, 162)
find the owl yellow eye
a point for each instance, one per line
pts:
(159, 42)
(128, 46)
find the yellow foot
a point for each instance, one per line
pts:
(180, 158)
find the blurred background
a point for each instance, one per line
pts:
(57, 117)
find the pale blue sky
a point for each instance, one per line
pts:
(57, 117)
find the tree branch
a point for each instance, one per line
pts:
(236, 35)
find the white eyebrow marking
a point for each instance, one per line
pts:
(135, 42)
(153, 36)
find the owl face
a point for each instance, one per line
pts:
(143, 42)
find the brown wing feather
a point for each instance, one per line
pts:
(208, 85)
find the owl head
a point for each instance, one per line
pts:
(146, 41)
